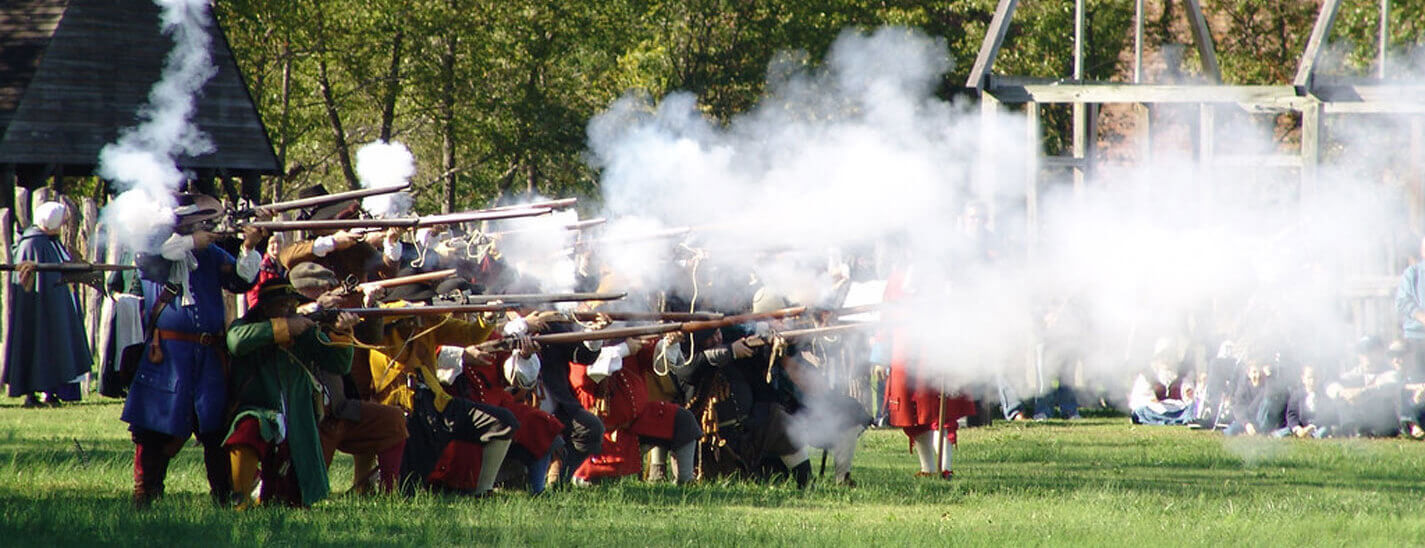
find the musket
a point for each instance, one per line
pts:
(560, 203)
(72, 267)
(575, 226)
(403, 280)
(328, 315)
(533, 298)
(665, 234)
(645, 330)
(825, 330)
(399, 222)
(317, 201)
(644, 316)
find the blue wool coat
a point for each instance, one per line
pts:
(46, 349)
(186, 392)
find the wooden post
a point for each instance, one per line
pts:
(93, 301)
(22, 208)
(1312, 128)
(1206, 150)
(1033, 150)
(7, 239)
(989, 120)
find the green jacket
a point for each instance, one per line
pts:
(272, 383)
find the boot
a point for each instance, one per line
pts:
(389, 460)
(220, 476)
(362, 473)
(243, 461)
(150, 469)
(802, 473)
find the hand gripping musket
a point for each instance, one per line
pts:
(399, 222)
(646, 330)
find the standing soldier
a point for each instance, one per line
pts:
(46, 350)
(180, 387)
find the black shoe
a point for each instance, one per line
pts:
(53, 401)
(802, 473)
(31, 402)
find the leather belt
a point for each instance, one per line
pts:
(205, 339)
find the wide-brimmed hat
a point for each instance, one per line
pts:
(345, 209)
(193, 208)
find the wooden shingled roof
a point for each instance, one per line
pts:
(74, 73)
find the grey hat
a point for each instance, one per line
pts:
(311, 275)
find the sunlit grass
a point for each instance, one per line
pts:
(66, 475)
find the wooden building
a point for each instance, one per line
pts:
(74, 74)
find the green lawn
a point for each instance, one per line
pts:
(65, 477)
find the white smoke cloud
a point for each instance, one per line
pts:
(379, 165)
(859, 152)
(142, 164)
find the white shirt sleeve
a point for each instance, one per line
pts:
(249, 262)
(392, 250)
(323, 245)
(176, 248)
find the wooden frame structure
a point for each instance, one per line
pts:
(1314, 100)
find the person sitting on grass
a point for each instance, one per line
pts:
(1309, 412)
(1368, 394)
(1162, 395)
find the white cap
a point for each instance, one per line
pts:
(50, 215)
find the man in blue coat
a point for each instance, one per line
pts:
(46, 351)
(180, 387)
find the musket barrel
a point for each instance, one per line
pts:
(689, 327)
(560, 203)
(332, 198)
(414, 278)
(603, 334)
(421, 310)
(531, 298)
(398, 222)
(647, 316)
(72, 267)
(826, 330)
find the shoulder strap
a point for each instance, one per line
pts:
(165, 296)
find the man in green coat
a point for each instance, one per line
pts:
(274, 355)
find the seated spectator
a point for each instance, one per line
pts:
(1259, 402)
(1308, 411)
(1162, 395)
(1412, 391)
(1368, 394)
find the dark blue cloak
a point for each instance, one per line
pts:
(46, 350)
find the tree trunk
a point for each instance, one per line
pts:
(447, 115)
(343, 151)
(393, 88)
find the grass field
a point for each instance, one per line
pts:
(65, 478)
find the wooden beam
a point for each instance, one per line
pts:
(1312, 129)
(989, 47)
(1145, 93)
(1306, 70)
(1203, 36)
(1370, 93)
(1257, 160)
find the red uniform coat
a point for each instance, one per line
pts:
(459, 464)
(912, 402)
(621, 401)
